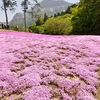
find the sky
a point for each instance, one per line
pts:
(18, 9)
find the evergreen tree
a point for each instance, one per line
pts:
(40, 21)
(58, 14)
(68, 11)
(45, 17)
(55, 15)
(62, 13)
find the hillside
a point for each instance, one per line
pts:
(46, 67)
(17, 19)
(53, 3)
(47, 6)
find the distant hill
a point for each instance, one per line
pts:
(17, 19)
(50, 7)
(53, 3)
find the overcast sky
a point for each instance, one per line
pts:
(18, 9)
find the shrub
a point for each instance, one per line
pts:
(18, 28)
(37, 29)
(57, 26)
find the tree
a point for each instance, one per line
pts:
(8, 4)
(57, 26)
(32, 5)
(68, 11)
(55, 15)
(45, 17)
(40, 21)
(24, 5)
(85, 17)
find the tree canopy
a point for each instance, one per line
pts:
(8, 4)
(86, 16)
(26, 4)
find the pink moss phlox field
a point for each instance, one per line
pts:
(37, 93)
(44, 67)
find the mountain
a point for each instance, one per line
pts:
(50, 7)
(17, 19)
(53, 3)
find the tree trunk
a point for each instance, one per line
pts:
(5, 12)
(6, 16)
(25, 19)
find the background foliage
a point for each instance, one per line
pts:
(85, 17)
(78, 19)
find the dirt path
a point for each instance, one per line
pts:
(98, 91)
(2, 30)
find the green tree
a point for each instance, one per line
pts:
(57, 26)
(55, 15)
(45, 17)
(39, 21)
(36, 29)
(62, 13)
(8, 4)
(68, 11)
(58, 14)
(85, 17)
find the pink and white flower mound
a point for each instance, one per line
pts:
(43, 67)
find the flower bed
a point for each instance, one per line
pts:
(43, 67)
